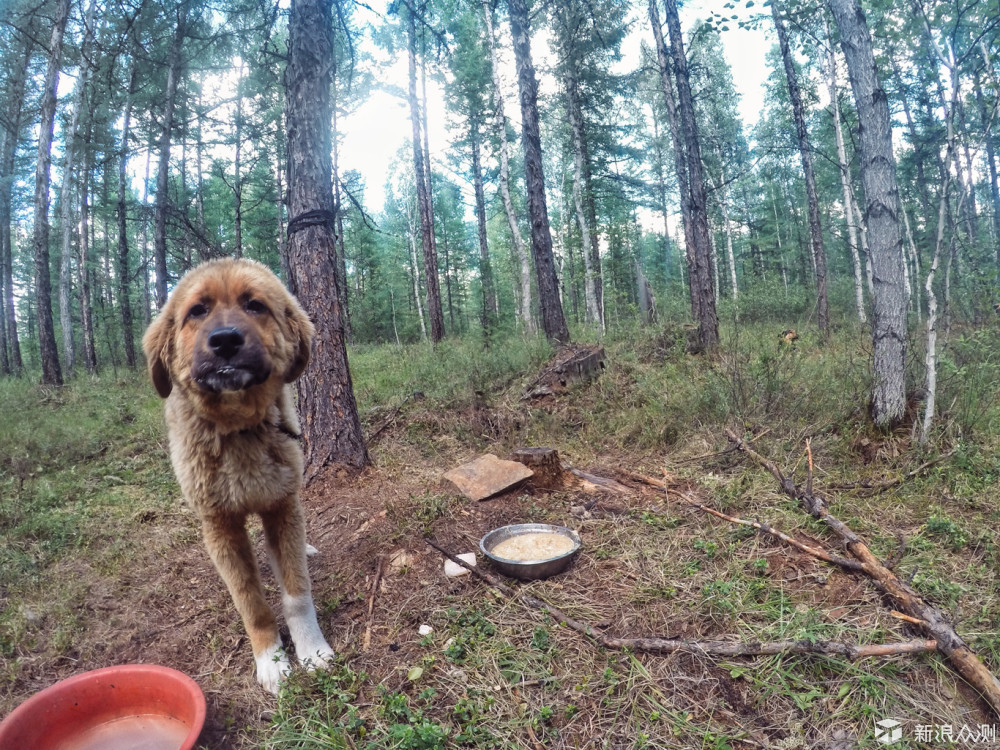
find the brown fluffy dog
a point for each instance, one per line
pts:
(222, 353)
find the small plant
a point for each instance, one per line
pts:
(709, 549)
(951, 531)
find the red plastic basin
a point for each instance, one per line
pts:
(129, 707)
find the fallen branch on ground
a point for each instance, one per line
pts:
(710, 648)
(903, 597)
(820, 554)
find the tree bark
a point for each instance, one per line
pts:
(86, 270)
(680, 159)
(845, 174)
(15, 109)
(163, 169)
(434, 309)
(878, 175)
(337, 201)
(485, 267)
(989, 136)
(330, 421)
(51, 371)
(576, 127)
(708, 320)
(520, 250)
(553, 320)
(122, 270)
(412, 242)
(805, 151)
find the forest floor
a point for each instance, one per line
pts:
(101, 563)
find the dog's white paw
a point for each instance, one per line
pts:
(272, 667)
(317, 656)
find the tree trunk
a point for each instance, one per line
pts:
(51, 371)
(414, 264)
(845, 174)
(238, 164)
(728, 228)
(878, 175)
(86, 272)
(122, 267)
(485, 267)
(576, 127)
(708, 320)
(331, 425)
(989, 136)
(520, 250)
(78, 117)
(680, 159)
(15, 109)
(163, 169)
(805, 151)
(434, 309)
(337, 201)
(553, 320)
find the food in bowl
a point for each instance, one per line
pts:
(536, 545)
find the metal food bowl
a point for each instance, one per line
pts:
(528, 570)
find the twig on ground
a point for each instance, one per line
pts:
(767, 529)
(906, 618)
(599, 482)
(673, 645)
(906, 600)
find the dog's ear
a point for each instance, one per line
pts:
(157, 344)
(302, 332)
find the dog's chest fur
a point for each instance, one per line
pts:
(246, 471)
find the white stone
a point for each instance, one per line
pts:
(454, 570)
(425, 630)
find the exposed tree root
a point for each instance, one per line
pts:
(931, 620)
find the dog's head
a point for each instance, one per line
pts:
(230, 337)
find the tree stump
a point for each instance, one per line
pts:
(545, 463)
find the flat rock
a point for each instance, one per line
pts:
(487, 476)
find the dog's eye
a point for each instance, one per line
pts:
(197, 311)
(255, 307)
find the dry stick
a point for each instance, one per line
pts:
(759, 525)
(767, 529)
(711, 648)
(905, 599)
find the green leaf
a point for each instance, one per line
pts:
(415, 674)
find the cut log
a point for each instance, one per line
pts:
(546, 465)
(487, 476)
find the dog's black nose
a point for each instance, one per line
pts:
(226, 342)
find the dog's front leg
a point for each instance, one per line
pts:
(285, 532)
(229, 547)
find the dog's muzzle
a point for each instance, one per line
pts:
(229, 364)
